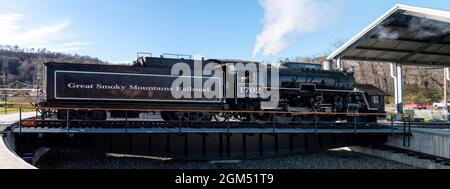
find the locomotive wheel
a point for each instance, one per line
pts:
(96, 115)
(186, 116)
(193, 116)
(47, 113)
(168, 116)
(182, 116)
(225, 116)
(62, 114)
(242, 117)
(203, 116)
(258, 115)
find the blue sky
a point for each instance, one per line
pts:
(114, 30)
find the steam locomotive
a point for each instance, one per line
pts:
(101, 92)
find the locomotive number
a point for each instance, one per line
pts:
(250, 90)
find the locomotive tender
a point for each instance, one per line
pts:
(148, 85)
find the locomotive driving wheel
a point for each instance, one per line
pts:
(95, 114)
(258, 115)
(168, 116)
(71, 111)
(193, 116)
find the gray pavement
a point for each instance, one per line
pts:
(8, 159)
(9, 119)
(14, 117)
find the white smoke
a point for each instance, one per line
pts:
(417, 27)
(387, 33)
(285, 19)
(424, 28)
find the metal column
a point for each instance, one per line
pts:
(399, 88)
(446, 79)
(339, 64)
(397, 75)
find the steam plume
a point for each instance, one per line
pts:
(285, 19)
(418, 27)
(424, 28)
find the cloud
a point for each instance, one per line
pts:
(8, 22)
(50, 36)
(286, 19)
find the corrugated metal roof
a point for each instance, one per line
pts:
(371, 90)
(404, 34)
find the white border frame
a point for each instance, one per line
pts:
(221, 100)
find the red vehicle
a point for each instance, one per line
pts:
(416, 106)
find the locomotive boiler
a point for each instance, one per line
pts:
(306, 92)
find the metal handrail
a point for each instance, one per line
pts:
(177, 55)
(227, 122)
(139, 54)
(202, 111)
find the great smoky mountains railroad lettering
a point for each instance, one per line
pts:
(133, 87)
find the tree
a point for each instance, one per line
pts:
(24, 65)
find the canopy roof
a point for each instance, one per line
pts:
(405, 34)
(371, 90)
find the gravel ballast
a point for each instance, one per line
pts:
(332, 159)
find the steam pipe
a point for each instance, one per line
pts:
(395, 83)
(397, 75)
(447, 73)
(392, 71)
(399, 88)
(447, 78)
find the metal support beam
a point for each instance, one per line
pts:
(397, 75)
(400, 39)
(393, 75)
(400, 51)
(339, 64)
(445, 87)
(399, 89)
(387, 60)
(423, 47)
(446, 79)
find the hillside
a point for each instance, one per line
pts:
(24, 64)
(421, 84)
